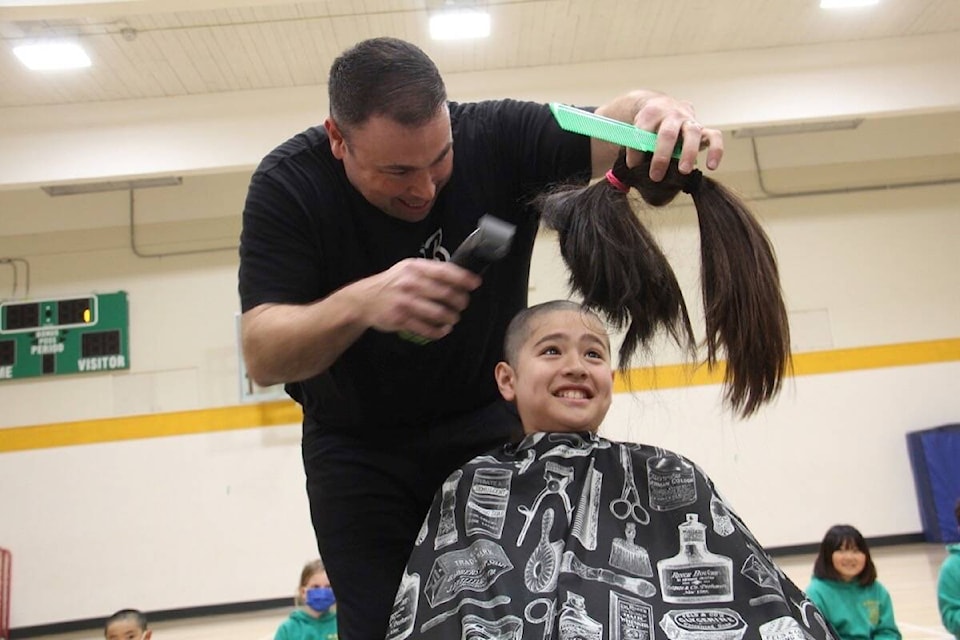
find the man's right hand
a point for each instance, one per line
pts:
(292, 342)
(419, 296)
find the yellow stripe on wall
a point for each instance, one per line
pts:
(804, 364)
(285, 412)
(248, 416)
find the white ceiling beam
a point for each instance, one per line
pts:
(67, 9)
(216, 132)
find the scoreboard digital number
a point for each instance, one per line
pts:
(67, 335)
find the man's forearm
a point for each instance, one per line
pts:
(289, 343)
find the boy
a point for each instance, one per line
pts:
(127, 624)
(567, 381)
(566, 533)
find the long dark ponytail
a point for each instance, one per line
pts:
(619, 269)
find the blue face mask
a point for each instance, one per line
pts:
(320, 599)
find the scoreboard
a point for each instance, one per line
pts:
(66, 335)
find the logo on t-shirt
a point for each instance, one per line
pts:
(432, 248)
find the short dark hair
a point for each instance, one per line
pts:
(136, 616)
(518, 331)
(836, 538)
(956, 511)
(384, 76)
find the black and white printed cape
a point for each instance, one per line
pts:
(572, 536)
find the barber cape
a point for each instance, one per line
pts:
(572, 536)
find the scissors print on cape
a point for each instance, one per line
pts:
(628, 505)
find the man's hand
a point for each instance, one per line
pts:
(423, 297)
(670, 119)
(291, 342)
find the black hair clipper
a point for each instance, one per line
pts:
(486, 244)
(489, 242)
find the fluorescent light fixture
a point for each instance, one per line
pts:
(113, 185)
(459, 24)
(845, 4)
(799, 127)
(51, 56)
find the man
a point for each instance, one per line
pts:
(346, 234)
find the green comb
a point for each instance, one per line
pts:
(590, 124)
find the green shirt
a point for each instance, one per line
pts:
(856, 612)
(948, 590)
(302, 626)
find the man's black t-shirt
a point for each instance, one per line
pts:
(307, 232)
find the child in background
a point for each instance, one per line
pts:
(566, 534)
(315, 617)
(127, 624)
(948, 585)
(845, 588)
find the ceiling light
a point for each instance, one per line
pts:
(799, 127)
(844, 4)
(460, 24)
(113, 185)
(50, 56)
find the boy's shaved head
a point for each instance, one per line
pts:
(519, 328)
(557, 368)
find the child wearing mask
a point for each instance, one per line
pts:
(127, 624)
(846, 590)
(315, 617)
(566, 534)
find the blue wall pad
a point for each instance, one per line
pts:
(935, 459)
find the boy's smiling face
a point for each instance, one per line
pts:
(562, 379)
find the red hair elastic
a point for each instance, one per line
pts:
(615, 181)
